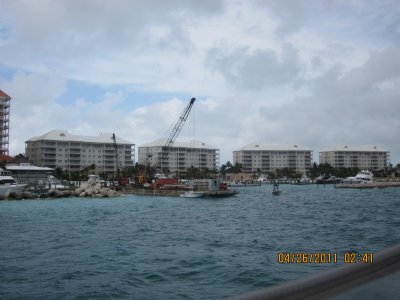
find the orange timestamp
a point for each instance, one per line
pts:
(324, 257)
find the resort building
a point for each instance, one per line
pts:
(60, 149)
(177, 159)
(362, 157)
(4, 122)
(269, 158)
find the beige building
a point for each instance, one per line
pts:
(180, 157)
(270, 158)
(60, 149)
(362, 157)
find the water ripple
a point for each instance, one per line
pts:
(171, 248)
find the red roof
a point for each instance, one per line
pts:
(2, 94)
(5, 157)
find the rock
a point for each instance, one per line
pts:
(28, 195)
(104, 191)
(52, 193)
(14, 195)
(79, 191)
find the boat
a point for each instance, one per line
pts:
(52, 183)
(262, 179)
(328, 179)
(364, 176)
(303, 180)
(275, 190)
(8, 183)
(192, 194)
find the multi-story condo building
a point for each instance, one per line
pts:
(270, 158)
(60, 149)
(4, 122)
(177, 159)
(362, 157)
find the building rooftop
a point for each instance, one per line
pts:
(63, 135)
(365, 148)
(28, 167)
(191, 144)
(4, 95)
(264, 147)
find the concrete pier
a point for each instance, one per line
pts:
(369, 185)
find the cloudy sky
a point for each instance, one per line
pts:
(314, 72)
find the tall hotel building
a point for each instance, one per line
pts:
(362, 157)
(269, 159)
(59, 149)
(4, 122)
(180, 157)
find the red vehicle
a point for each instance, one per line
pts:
(163, 181)
(123, 181)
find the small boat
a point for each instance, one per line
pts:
(276, 190)
(8, 183)
(52, 183)
(303, 180)
(192, 194)
(262, 179)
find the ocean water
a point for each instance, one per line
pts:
(146, 247)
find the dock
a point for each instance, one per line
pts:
(369, 185)
(175, 192)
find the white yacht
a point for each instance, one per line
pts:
(362, 176)
(8, 183)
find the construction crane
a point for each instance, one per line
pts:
(116, 155)
(176, 130)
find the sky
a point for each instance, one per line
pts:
(309, 72)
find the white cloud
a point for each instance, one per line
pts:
(315, 73)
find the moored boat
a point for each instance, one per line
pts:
(364, 176)
(8, 183)
(303, 180)
(192, 194)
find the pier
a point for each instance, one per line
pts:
(368, 185)
(175, 192)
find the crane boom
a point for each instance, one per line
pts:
(175, 132)
(179, 125)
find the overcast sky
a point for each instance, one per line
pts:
(313, 73)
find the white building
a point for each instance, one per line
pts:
(363, 157)
(180, 157)
(60, 149)
(25, 173)
(270, 158)
(4, 122)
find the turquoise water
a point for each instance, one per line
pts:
(144, 247)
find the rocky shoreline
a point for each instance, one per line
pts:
(87, 189)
